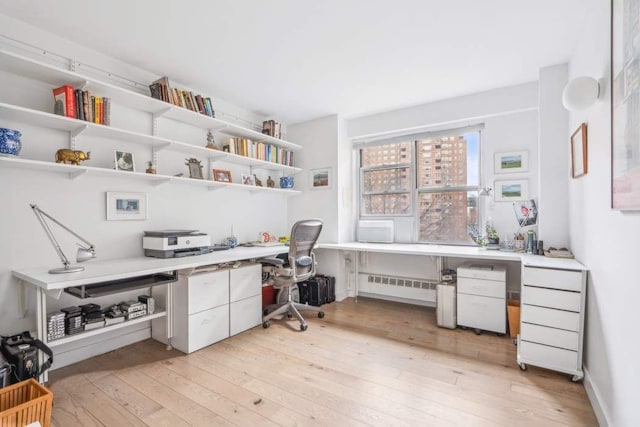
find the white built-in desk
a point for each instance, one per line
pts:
(97, 272)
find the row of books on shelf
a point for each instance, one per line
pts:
(258, 150)
(160, 89)
(82, 105)
(272, 128)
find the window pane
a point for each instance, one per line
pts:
(448, 217)
(448, 161)
(387, 204)
(384, 155)
(379, 181)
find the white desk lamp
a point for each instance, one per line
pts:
(84, 254)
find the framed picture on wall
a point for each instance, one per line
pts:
(511, 162)
(625, 121)
(510, 190)
(579, 151)
(126, 206)
(320, 178)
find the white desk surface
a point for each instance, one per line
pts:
(97, 271)
(473, 252)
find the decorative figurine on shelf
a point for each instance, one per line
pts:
(74, 157)
(258, 181)
(195, 168)
(151, 167)
(211, 144)
(270, 183)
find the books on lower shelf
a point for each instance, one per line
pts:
(258, 150)
(82, 105)
(162, 90)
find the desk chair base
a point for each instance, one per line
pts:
(291, 308)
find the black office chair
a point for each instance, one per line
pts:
(301, 266)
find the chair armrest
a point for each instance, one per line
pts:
(271, 261)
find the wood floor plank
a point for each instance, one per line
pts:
(370, 362)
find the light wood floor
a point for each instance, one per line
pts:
(367, 363)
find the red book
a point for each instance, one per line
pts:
(65, 101)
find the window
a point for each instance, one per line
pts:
(432, 177)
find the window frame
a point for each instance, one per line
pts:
(414, 190)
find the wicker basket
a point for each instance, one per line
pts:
(24, 403)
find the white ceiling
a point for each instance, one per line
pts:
(295, 60)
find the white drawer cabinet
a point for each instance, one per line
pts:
(481, 297)
(552, 319)
(211, 306)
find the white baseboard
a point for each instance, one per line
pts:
(397, 299)
(595, 399)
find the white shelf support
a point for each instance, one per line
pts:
(75, 174)
(161, 113)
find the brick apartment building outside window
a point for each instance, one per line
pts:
(433, 178)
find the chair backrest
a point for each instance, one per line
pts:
(304, 235)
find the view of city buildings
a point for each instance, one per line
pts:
(447, 208)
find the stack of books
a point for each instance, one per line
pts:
(160, 89)
(72, 320)
(258, 150)
(272, 128)
(55, 326)
(82, 105)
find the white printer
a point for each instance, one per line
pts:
(175, 243)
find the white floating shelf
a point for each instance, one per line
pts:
(70, 338)
(44, 72)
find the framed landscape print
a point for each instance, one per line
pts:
(320, 178)
(510, 190)
(625, 101)
(511, 162)
(579, 151)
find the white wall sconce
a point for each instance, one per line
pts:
(580, 93)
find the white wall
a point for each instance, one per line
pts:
(606, 241)
(80, 203)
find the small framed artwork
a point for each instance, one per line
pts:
(126, 206)
(579, 151)
(195, 168)
(511, 162)
(507, 191)
(248, 180)
(320, 178)
(124, 161)
(221, 175)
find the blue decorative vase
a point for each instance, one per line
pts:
(10, 142)
(286, 182)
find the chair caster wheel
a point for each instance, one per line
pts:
(522, 366)
(289, 316)
(266, 324)
(477, 331)
(321, 314)
(303, 327)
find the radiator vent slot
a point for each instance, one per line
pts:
(401, 282)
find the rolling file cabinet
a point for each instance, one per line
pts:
(213, 305)
(552, 317)
(481, 297)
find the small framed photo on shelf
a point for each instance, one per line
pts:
(248, 180)
(579, 151)
(126, 206)
(507, 191)
(320, 178)
(195, 168)
(221, 175)
(124, 161)
(511, 162)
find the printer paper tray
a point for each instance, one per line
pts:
(116, 286)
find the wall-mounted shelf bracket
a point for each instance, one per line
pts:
(216, 188)
(161, 113)
(74, 175)
(159, 146)
(161, 181)
(76, 132)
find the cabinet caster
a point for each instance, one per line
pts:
(266, 324)
(321, 314)
(265, 311)
(477, 331)
(522, 366)
(575, 378)
(303, 327)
